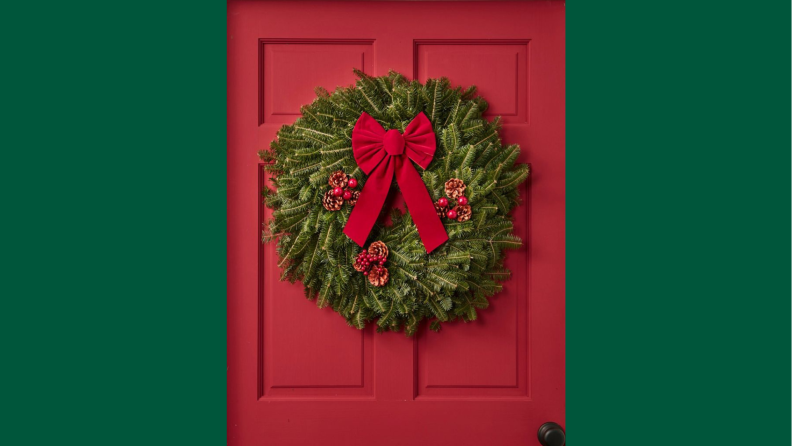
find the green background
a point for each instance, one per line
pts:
(678, 223)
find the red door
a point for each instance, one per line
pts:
(297, 374)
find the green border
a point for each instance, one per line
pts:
(113, 172)
(113, 175)
(678, 223)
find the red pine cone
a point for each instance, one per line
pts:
(455, 188)
(331, 202)
(463, 213)
(378, 249)
(338, 179)
(355, 195)
(378, 276)
(441, 210)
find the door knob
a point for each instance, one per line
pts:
(551, 434)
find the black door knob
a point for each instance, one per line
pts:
(551, 434)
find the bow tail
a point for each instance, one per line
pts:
(369, 205)
(420, 205)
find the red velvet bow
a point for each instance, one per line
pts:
(381, 155)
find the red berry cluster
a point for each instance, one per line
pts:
(452, 213)
(461, 212)
(334, 198)
(346, 193)
(366, 260)
(371, 264)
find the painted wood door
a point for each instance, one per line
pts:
(491, 382)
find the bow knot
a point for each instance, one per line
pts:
(380, 155)
(393, 142)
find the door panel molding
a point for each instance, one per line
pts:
(285, 62)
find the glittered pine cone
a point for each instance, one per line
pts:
(378, 249)
(441, 210)
(454, 188)
(331, 202)
(463, 212)
(338, 179)
(378, 276)
(355, 195)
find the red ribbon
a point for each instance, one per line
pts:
(381, 155)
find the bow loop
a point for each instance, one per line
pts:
(420, 140)
(381, 155)
(367, 139)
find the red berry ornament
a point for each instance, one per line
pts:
(338, 191)
(462, 201)
(347, 195)
(442, 202)
(452, 214)
(352, 182)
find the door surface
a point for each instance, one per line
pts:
(491, 382)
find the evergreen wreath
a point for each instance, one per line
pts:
(452, 282)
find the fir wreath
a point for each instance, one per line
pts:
(454, 280)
